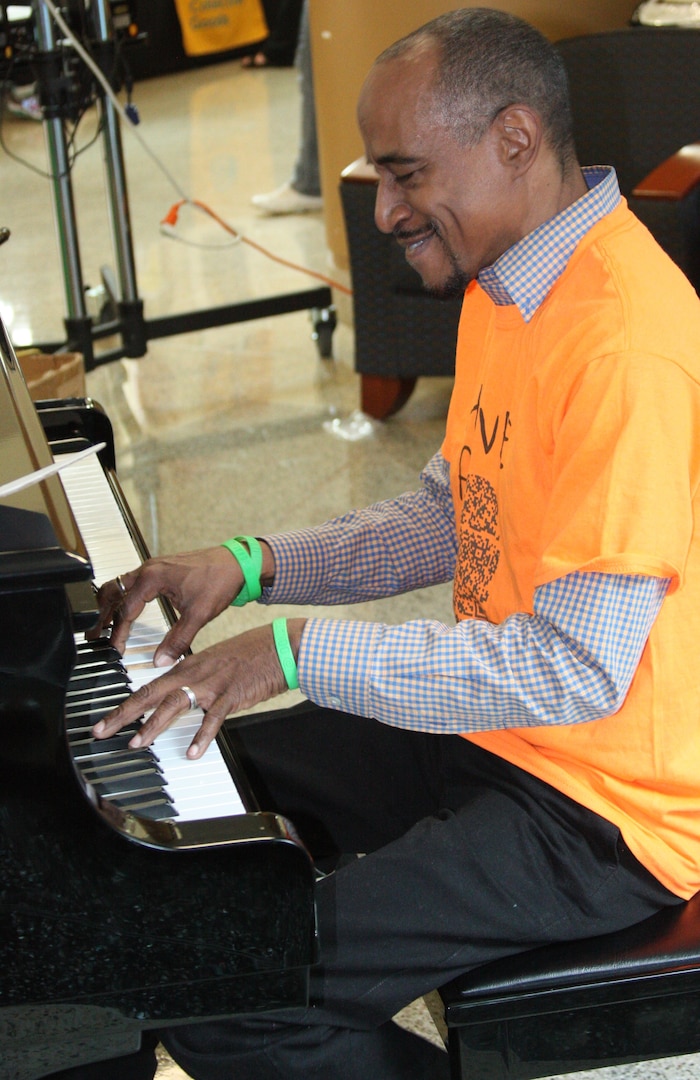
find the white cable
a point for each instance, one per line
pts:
(104, 83)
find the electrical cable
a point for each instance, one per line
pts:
(5, 91)
(170, 220)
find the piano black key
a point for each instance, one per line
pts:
(123, 763)
(114, 788)
(96, 685)
(100, 650)
(94, 667)
(86, 747)
(156, 809)
(83, 732)
(94, 707)
(123, 774)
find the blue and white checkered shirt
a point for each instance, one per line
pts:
(525, 273)
(570, 661)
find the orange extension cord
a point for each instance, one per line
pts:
(171, 217)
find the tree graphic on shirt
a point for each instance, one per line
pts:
(479, 549)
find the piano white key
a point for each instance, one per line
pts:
(202, 788)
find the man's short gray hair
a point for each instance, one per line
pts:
(489, 60)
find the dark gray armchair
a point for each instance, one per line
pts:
(636, 103)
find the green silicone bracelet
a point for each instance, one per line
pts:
(250, 561)
(284, 653)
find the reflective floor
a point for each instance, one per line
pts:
(224, 431)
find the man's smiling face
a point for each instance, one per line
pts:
(449, 205)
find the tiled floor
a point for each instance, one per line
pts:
(221, 431)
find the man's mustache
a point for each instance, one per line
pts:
(407, 235)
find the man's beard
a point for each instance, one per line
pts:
(456, 284)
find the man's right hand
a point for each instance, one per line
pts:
(199, 584)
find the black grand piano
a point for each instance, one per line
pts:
(136, 891)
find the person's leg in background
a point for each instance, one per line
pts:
(302, 193)
(283, 18)
(307, 175)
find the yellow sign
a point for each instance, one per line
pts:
(210, 26)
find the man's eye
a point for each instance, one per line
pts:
(405, 176)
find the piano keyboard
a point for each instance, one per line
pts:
(157, 781)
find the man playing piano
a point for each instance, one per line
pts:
(528, 774)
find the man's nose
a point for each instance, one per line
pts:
(390, 209)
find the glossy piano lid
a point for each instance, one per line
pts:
(23, 449)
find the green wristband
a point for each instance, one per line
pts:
(250, 561)
(284, 653)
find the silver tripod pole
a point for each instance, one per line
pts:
(117, 196)
(59, 167)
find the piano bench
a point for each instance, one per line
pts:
(619, 998)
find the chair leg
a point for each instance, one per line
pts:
(382, 397)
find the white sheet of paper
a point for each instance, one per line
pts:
(49, 470)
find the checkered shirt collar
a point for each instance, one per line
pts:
(526, 272)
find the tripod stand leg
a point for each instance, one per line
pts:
(129, 306)
(118, 201)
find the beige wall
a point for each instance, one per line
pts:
(346, 37)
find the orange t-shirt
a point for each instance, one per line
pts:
(574, 445)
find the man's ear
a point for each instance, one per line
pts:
(519, 130)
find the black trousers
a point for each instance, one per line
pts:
(467, 859)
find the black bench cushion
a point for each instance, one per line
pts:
(665, 946)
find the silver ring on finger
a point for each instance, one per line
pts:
(191, 696)
(120, 585)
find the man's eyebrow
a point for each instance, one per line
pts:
(395, 159)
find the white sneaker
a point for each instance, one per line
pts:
(28, 108)
(287, 200)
